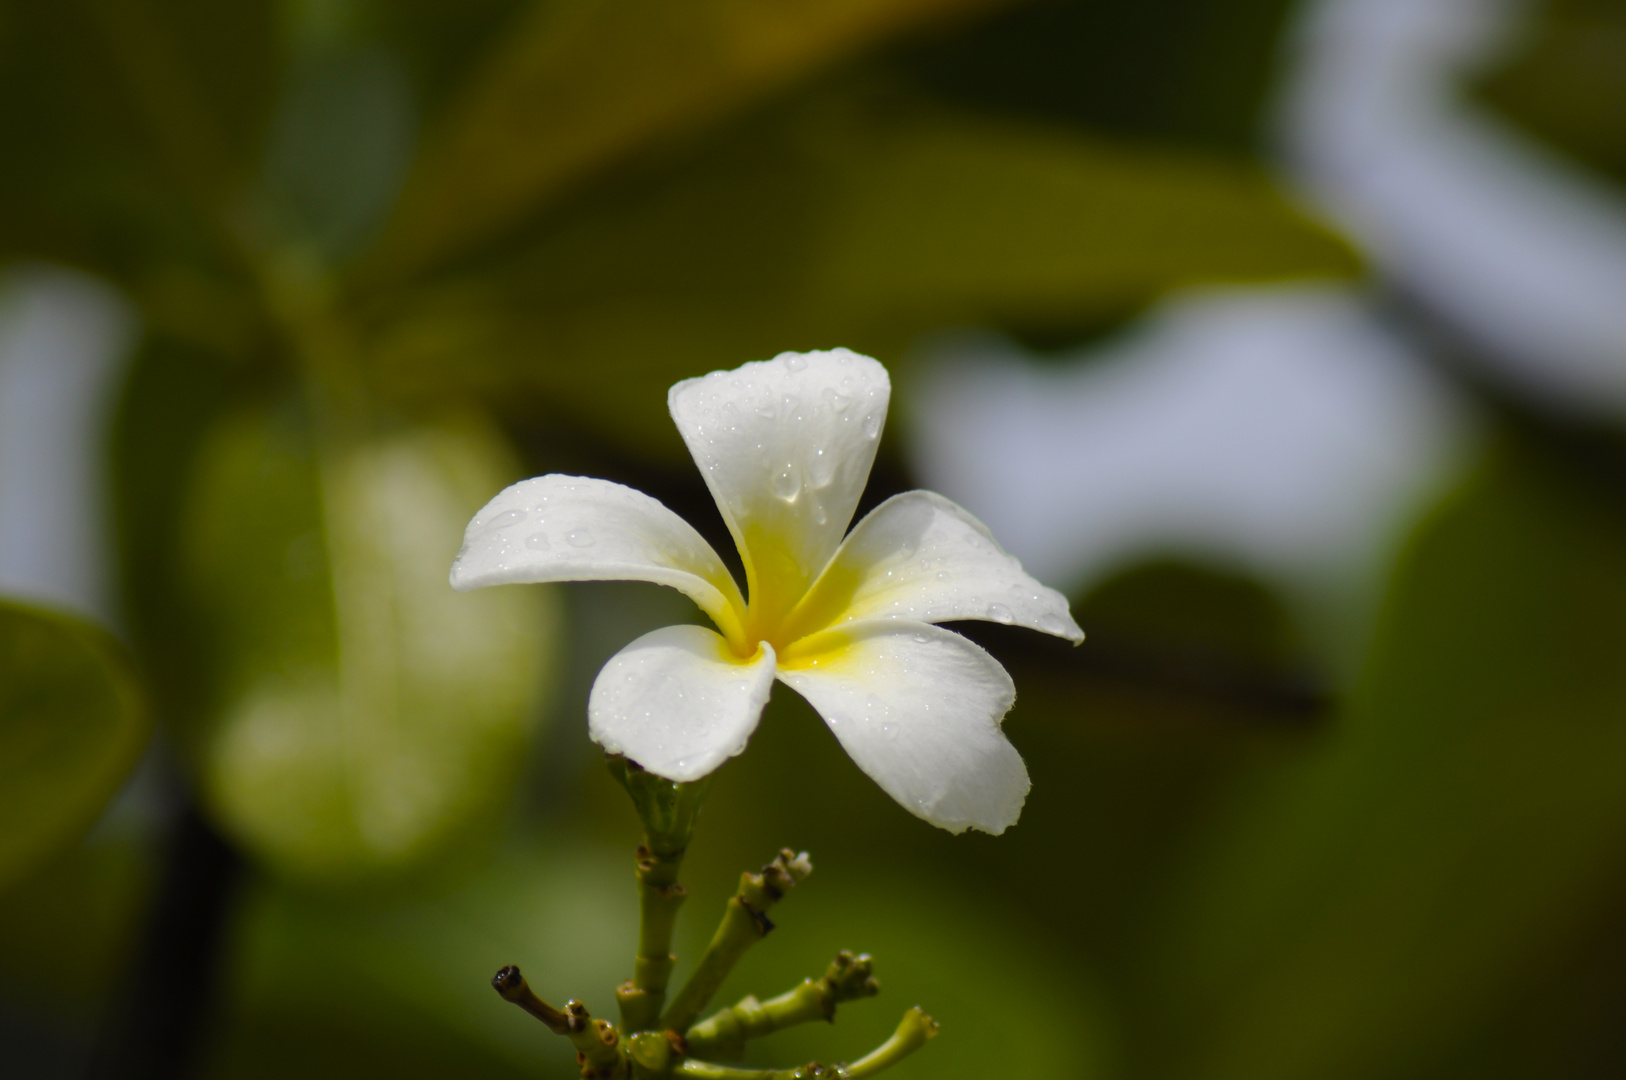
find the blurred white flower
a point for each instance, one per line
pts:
(786, 447)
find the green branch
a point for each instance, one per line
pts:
(745, 922)
(913, 1031)
(595, 1040)
(668, 811)
(724, 1034)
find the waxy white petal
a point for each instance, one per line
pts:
(918, 708)
(678, 701)
(920, 556)
(574, 528)
(786, 447)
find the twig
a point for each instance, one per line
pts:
(595, 1040)
(913, 1031)
(745, 922)
(724, 1034)
(668, 811)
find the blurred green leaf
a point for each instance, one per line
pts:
(364, 714)
(1359, 915)
(577, 83)
(1566, 81)
(72, 726)
(127, 125)
(341, 142)
(861, 221)
(1192, 71)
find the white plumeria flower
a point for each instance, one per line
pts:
(786, 447)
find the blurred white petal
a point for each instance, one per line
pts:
(1281, 429)
(64, 337)
(1513, 245)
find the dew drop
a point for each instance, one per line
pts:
(1000, 613)
(819, 516)
(789, 403)
(838, 402)
(889, 731)
(579, 538)
(537, 542)
(872, 425)
(942, 575)
(506, 518)
(796, 363)
(766, 411)
(821, 471)
(1053, 624)
(787, 484)
(922, 639)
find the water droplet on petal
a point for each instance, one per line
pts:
(796, 363)
(579, 538)
(872, 425)
(506, 518)
(1000, 613)
(889, 731)
(537, 542)
(838, 402)
(922, 639)
(789, 402)
(942, 575)
(821, 470)
(787, 483)
(766, 411)
(819, 516)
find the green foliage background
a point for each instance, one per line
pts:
(392, 255)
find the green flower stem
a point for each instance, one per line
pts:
(913, 1031)
(668, 811)
(745, 922)
(595, 1040)
(659, 897)
(724, 1034)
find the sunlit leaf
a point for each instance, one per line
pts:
(72, 725)
(862, 223)
(364, 714)
(578, 83)
(1371, 908)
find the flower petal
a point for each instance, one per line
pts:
(785, 446)
(918, 708)
(574, 528)
(678, 701)
(919, 556)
